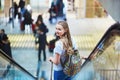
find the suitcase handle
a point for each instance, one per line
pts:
(51, 70)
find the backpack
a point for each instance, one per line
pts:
(27, 17)
(71, 61)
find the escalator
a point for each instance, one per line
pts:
(10, 70)
(104, 61)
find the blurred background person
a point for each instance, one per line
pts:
(5, 43)
(42, 39)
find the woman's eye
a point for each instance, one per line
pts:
(59, 29)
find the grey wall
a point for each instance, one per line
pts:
(112, 7)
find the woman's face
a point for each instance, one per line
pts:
(39, 22)
(59, 30)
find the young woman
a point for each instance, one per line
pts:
(62, 31)
(42, 38)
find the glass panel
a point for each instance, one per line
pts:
(9, 71)
(104, 62)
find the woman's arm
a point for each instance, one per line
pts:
(55, 59)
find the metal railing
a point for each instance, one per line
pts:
(109, 74)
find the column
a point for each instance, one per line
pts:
(80, 8)
(90, 9)
(7, 5)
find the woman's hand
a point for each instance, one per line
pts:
(50, 59)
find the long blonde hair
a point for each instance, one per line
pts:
(66, 37)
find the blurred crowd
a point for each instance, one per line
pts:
(24, 14)
(57, 11)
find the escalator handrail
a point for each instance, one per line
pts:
(9, 59)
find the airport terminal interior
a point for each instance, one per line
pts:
(93, 24)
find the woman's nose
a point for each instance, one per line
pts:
(56, 30)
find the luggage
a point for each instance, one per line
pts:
(51, 45)
(33, 28)
(22, 26)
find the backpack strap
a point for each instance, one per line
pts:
(63, 61)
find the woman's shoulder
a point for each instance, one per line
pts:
(58, 42)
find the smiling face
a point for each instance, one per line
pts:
(59, 30)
